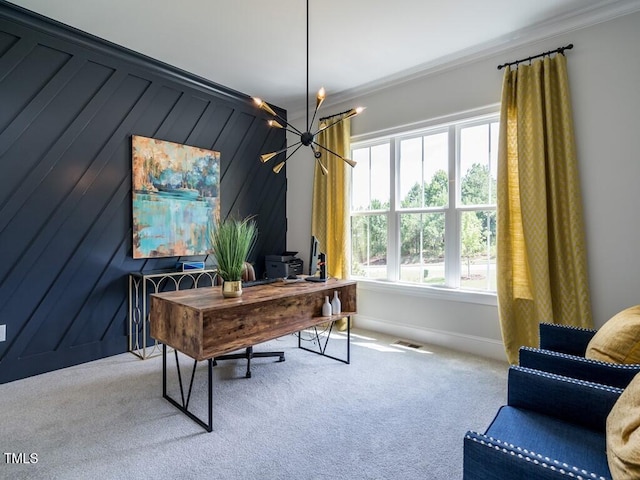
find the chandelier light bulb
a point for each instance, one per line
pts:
(320, 97)
(264, 105)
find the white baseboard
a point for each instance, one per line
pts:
(484, 347)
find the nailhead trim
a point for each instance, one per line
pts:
(569, 327)
(530, 456)
(621, 366)
(561, 378)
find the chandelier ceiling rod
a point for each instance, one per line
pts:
(307, 138)
(308, 124)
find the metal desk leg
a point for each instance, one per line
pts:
(183, 406)
(322, 348)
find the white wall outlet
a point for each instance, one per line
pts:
(3, 333)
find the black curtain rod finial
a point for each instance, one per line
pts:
(528, 59)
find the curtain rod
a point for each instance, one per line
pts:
(557, 50)
(334, 115)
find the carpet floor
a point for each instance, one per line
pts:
(393, 413)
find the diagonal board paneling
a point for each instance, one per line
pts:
(70, 103)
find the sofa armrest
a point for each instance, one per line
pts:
(488, 458)
(565, 339)
(576, 401)
(612, 374)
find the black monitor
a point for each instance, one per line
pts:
(313, 255)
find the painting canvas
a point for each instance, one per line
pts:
(176, 196)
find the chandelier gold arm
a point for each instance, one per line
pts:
(319, 99)
(353, 163)
(267, 108)
(322, 167)
(275, 124)
(265, 157)
(278, 167)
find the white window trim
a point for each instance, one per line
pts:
(409, 129)
(477, 297)
(452, 215)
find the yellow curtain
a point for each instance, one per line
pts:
(329, 210)
(541, 262)
(330, 215)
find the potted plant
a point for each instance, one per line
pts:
(232, 240)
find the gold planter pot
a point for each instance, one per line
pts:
(231, 289)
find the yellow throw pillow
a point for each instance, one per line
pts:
(623, 434)
(618, 340)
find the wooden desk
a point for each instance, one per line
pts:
(202, 324)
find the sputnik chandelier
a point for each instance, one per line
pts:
(307, 138)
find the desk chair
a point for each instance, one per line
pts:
(249, 275)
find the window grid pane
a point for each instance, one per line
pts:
(424, 171)
(360, 185)
(477, 180)
(369, 246)
(380, 186)
(411, 174)
(369, 181)
(478, 250)
(422, 243)
(436, 169)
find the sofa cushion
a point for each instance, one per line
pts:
(618, 340)
(552, 440)
(623, 434)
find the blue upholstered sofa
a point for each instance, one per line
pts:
(562, 351)
(552, 427)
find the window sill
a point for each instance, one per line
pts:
(423, 291)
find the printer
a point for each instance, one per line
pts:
(283, 266)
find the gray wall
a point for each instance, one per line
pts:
(604, 74)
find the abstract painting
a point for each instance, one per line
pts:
(176, 197)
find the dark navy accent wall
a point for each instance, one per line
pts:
(69, 103)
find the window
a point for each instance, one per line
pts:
(423, 206)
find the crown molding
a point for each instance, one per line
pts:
(576, 20)
(49, 26)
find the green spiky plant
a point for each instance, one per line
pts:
(232, 241)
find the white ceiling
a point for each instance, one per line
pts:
(258, 47)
